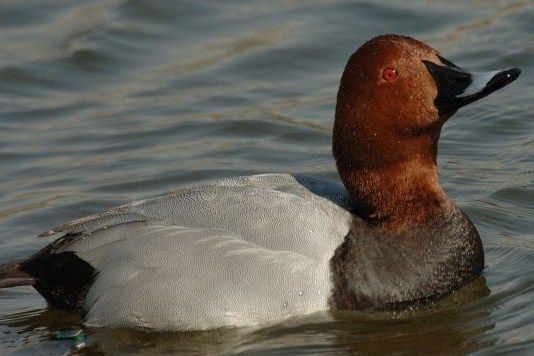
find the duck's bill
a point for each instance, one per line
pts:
(458, 87)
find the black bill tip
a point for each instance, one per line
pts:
(502, 79)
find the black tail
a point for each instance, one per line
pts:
(63, 279)
(12, 276)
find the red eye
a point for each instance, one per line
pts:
(389, 74)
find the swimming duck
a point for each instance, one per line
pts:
(257, 249)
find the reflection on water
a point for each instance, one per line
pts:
(103, 102)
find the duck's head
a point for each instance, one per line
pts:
(395, 95)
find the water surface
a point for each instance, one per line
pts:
(103, 102)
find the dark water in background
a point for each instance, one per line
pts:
(103, 102)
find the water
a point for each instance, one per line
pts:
(103, 102)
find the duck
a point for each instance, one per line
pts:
(259, 249)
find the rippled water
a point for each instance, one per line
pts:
(103, 102)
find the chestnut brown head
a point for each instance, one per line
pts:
(394, 96)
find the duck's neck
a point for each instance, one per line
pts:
(398, 195)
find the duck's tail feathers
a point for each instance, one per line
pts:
(12, 276)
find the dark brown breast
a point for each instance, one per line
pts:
(387, 270)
